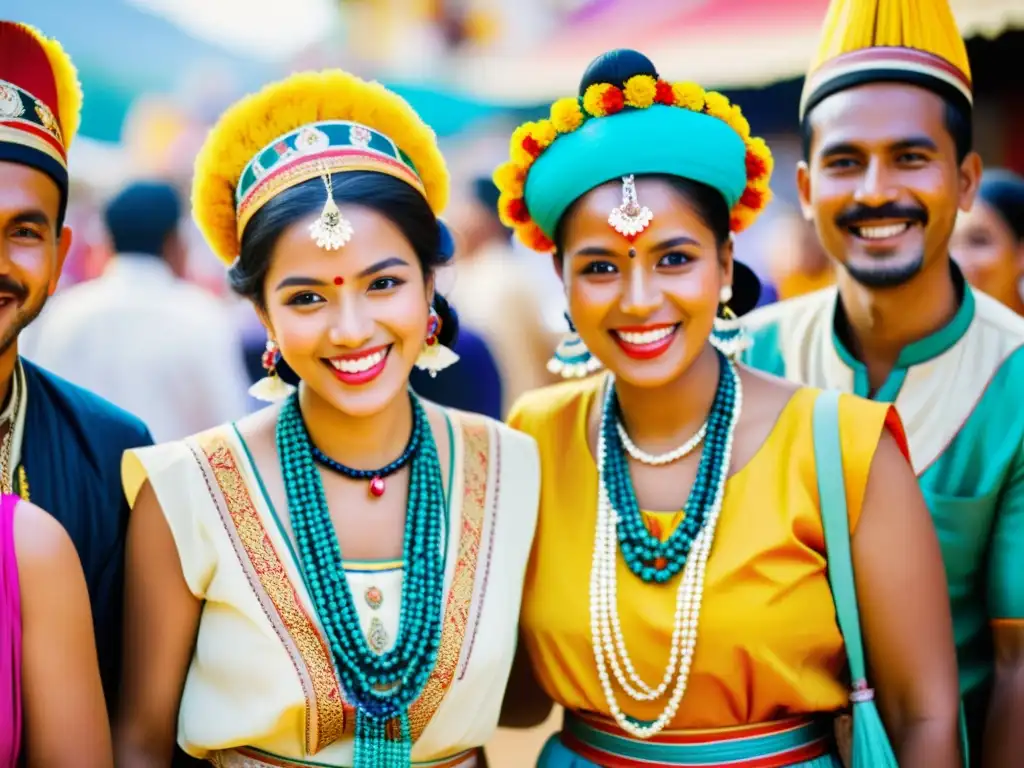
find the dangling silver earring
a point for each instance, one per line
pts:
(572, 359)
(728, 335)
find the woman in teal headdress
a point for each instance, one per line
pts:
(707, 509)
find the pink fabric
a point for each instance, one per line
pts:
(10, 638)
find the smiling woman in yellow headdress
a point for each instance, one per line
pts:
(333, 581)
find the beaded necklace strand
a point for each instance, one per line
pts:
(618, 516)
(648, 557)
(380, 686)
(375, 476)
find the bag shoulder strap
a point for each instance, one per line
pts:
(828, 459)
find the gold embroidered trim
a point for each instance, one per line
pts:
(476, 451)
(23, 489)
(334, 717)
(326, 713)
(313, 168)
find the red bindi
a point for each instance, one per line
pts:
(339, 280)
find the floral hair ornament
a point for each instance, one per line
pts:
(332, 230)
(630, 218)
(645, 125)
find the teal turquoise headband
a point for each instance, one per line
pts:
(645, 126)
(662, 140)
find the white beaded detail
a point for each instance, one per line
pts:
(630, 218)
(663, 458)
(605, 628)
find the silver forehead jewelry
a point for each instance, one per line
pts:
(331, 230)
(630, 218)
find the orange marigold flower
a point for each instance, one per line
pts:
(689, 95)
(613, 101)
(741, 218)
(602, 99)
(522, 148)
(716, 105)
(759, 159)
(544, 133)
(509, 178)
(640, 90)
(593, 99)
(517, 211)
(663, 94)
(512, 211)
(753, 197)
(532, 237)
(566, 115)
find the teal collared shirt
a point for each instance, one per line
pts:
(959, 393)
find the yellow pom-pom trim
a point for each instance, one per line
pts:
(566, 115)
(601, 100)
(639, 91)
(309, 97)
(65, 77)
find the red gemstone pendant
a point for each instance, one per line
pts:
(377, 487)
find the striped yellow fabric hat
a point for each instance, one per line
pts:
(907, 41)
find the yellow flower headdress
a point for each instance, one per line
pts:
(307, 126)
(642, 105)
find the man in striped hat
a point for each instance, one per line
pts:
(60, 444)
(888, 163)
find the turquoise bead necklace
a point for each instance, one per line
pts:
(646, 556)
(383, 686)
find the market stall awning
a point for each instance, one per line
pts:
(719, 43)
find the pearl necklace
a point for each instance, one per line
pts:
(663, 458)
(605, 628)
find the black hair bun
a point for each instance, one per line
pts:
(449, 321)
(616, 67)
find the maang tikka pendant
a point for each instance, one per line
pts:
(332, 230)
(630, 218)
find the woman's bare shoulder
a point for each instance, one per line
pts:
(42, 545)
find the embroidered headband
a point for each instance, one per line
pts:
(643, 126)
(27, 122)
(317, 150)
(310, 125)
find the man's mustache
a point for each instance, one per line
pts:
(861, 214)
(9, 286)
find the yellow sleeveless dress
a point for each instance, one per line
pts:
(768, 651)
